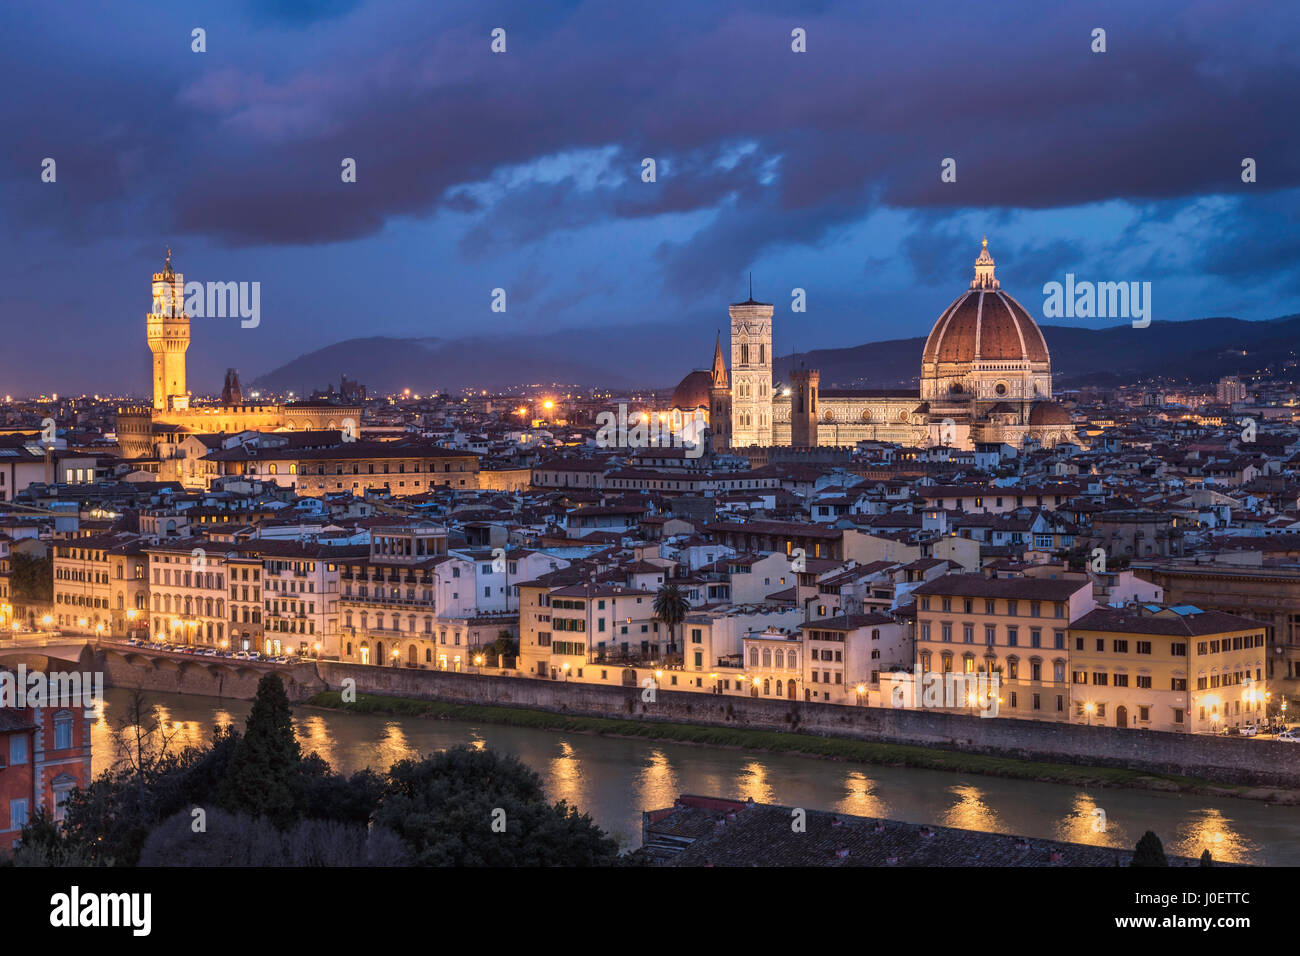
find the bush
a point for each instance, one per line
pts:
(470, 807)
(235, 840)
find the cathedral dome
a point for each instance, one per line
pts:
(693, 391)
(1048, 413)
(985, 324)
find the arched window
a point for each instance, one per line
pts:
(767, 657)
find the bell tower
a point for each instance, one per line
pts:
(751, 372)
(169, 337)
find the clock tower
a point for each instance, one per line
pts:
(169, 337)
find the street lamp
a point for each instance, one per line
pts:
(565, 667)
(862, 693)
(1088, 708)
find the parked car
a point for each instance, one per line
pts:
(1249, 730)
(1291, 735)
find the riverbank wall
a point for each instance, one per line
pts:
(1261, 763)
(1225, 760)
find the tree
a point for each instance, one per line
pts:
(470, 807)
(263, 776)
(671, 607)
(31, 579)
(1206, 859)
(1149, 851)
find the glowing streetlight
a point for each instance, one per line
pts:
(1088, 708)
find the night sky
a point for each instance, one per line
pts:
(522, 170)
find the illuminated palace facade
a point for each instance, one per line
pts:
(140, 429)
(986, 376)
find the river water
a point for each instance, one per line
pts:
(615, 780)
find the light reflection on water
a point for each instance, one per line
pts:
(616, 779)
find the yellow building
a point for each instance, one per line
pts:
(1167, 668)
(100, 585)
(1016, 628)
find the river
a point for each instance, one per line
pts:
(615, 780)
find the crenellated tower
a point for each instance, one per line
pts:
(169, 337)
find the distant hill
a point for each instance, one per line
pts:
(386, 365)
(1198, 350)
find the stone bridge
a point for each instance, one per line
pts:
(126, 665)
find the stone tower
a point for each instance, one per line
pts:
(169, 337)
(751, 372)
(231, 393)
(804, 385)
(720, 401)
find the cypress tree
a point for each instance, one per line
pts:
(1149, 851)
(262, 778)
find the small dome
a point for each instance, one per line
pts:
(1048, 413)
(693, 391)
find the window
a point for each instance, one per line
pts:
(18, 814)
(62, 731)
(17, 749)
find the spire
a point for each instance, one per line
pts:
(167, 266)
(751, 285)
(984, 278)
(719, 364)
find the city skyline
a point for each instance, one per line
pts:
(812, 170)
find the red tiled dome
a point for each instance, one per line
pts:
(985, 324)
(693, 391)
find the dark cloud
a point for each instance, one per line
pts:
(762, 150)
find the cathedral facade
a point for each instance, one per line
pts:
(140, 429)
(986, 376)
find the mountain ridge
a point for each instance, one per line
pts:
(1197, 350)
